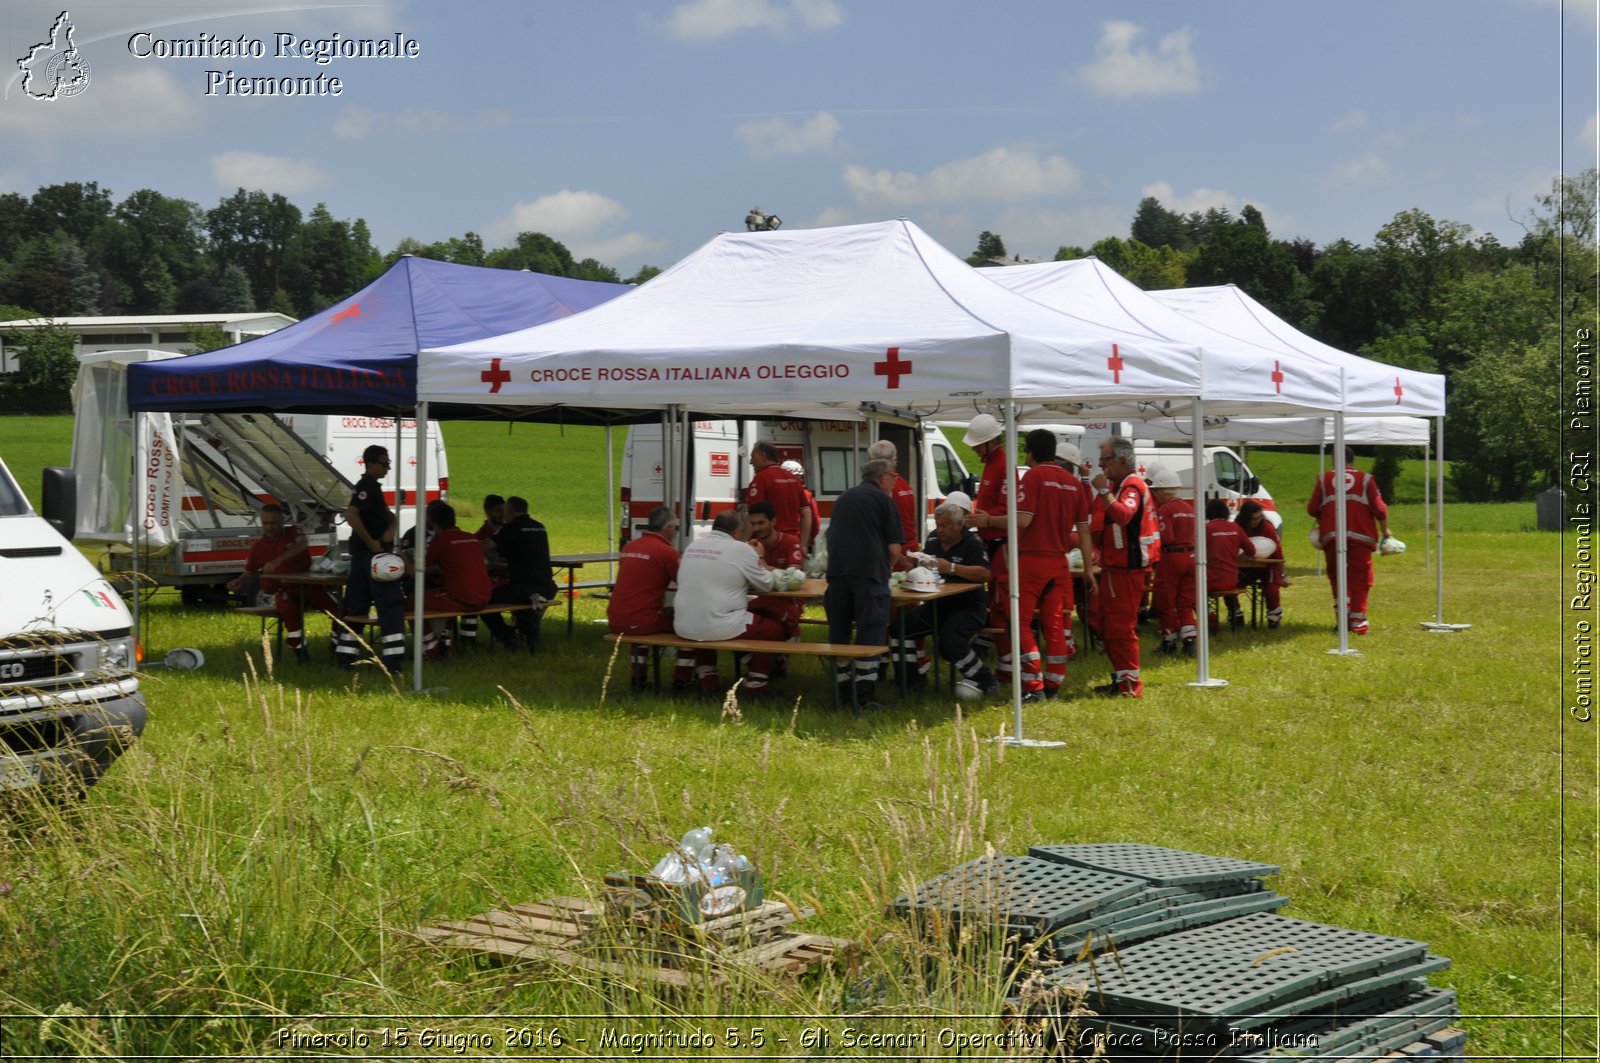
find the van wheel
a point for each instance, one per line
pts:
(204, 593)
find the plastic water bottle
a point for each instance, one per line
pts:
(670, 868)
(697, 843)
(725, 866)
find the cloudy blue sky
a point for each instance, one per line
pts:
(635, 131)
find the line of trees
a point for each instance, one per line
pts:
(1424, 294)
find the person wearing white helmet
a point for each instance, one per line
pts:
(1175, 587)
(1253, 519)
(798, 471)
(985, 437)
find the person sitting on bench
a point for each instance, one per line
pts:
(524, 545)
(283, 550)
(456, 558)
(715, 579)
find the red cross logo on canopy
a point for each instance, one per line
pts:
(1277, 377)
(893, 368)
(353, 310)
(494, 376)
(1114, 363)
(1399, 391)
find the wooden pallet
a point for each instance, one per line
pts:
(574, 932)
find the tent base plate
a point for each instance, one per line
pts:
(1029, 743)
(1209, 683)
(1337, 652)
(1440, 626)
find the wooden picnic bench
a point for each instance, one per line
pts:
(833, 651)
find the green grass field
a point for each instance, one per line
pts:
(263, 852)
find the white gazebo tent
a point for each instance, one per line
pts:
(838, 322)
(1373, 388)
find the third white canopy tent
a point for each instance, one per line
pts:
(880, 320)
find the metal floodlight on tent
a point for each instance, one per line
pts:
(758, 221)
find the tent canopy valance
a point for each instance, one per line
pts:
(360, 354)
(821, 321)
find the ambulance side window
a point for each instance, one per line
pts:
(1227, 470)
(838, 476)
(947, 471)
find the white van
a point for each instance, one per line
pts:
(69, 699)
(832, 453)
(1226, 475)
(204, 477)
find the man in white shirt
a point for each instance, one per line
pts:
(715, 580)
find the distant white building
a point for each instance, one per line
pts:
(152, 332)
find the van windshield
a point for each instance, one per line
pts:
(1227, 470)
(13, 503)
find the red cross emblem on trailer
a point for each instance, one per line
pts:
(1115, 364)
(893, 368)
(1399, 391)
(353, 310)
(1277, 377)
(494, 376)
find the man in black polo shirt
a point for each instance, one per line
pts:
(372, 528)
(524, 545)
(864, 540)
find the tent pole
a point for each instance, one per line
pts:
(1322, 467)
(612, 544)
(1427, 497)
(135, 523)
(1014, 588)
(667, 497)
(1202, 641)
(1341, 537)
(1438, 528)
(419, 540)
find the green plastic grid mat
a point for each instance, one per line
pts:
(1341, 950)
(1174, 918)
(1167, 981)
(1154, 863)
(1026, 894)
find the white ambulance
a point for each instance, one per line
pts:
(202, 478)
(832, 453)
(1225, 474)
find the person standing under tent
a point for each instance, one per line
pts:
(1253, 519)
(1226, 543)
(1175, 586)
(984, 436)
(798, 471)
(716, 577)
(646, 569)
(905, 499)
(1129, 539)
(773, 483)
(372, 528)
(1366, 521)
(864, 541)
(1051, 503)
(1070, 458)
(524, 545)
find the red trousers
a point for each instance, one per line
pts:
(289, 601)
(764, 628)
(1120, 592)
(1358, 569)
(1045, 591)
(1175, 596)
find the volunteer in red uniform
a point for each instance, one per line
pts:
(1175, 588)
(1253, 519)
(283, 550)
(798, 471)
(647, 567)
(1129, 540)
(1226, 543)
(494, 517)
(1366, 521)
(905, 499)
(1051, 502)
(773, 483)
(457, 557)
(776, 551)
(983, 436)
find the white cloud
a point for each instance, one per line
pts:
(1122, 70)
(356, 123)
(1350, 120)
(1005, 173)
(576, 218)
(779, 136)
(138, 101)
(706, 20)
(1590, 137)
(270, 173)
(1368, 169)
